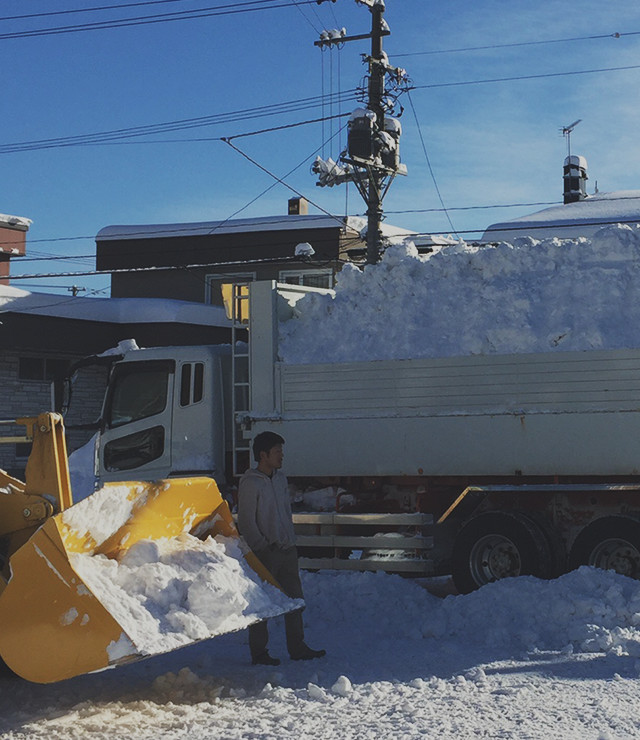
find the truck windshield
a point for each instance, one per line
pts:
(138, 390)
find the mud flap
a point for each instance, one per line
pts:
(86, 591)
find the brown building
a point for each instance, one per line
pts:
(189, 261)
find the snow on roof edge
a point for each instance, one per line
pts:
(112, 310)
(243, 225)
(18, 222)
(622, 206)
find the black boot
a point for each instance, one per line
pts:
(264, 659)
(306, 653)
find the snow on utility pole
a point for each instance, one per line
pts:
(372, 157)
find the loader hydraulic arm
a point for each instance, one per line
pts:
(24, 506)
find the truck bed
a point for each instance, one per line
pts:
(540, 414)
(555, 413)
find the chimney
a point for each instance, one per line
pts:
(13, 238)
(298, 207)
(575, 178)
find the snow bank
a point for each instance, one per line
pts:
(531, 296)
(585, 611)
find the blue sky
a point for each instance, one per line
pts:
(494, 143)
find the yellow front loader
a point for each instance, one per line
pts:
(56, 623)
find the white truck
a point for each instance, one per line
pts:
(483, 467)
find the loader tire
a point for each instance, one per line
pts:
(498, 545)
(610, 543)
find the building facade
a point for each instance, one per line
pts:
(190, 261)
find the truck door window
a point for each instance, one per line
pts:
(138, 390)
(185, 384)
(134, 450)
(191, 383)
(198, 381)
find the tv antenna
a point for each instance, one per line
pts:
(566, 132)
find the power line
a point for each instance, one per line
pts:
(119, 136)
(154, 268)
(190, 140)
(529, 227)
(279, 179)
(426, 155)
(514, 227)
(57, 258)
(293, 258)
(517, 43)
(222, 223)
(306, 17)
(496, 205)
(186, 228)
(88, 10)
(266, 190)
(212, 11)
(526, 77)
(57, 304)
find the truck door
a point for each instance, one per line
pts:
(135, 440)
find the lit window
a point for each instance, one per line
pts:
(213, 292)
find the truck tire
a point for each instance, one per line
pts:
(498, 545)
(610, 543)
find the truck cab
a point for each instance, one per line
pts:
(163, 415)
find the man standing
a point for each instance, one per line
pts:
(264, 520)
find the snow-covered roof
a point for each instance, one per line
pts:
(239, 226)
(111, 310)
(15, 222)
(570, 220)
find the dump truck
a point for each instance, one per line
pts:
(136, 569)
(483, 467)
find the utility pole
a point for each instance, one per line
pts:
(376, 93)
(372, 158)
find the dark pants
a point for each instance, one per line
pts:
(283, 566)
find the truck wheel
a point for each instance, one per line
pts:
(610, 543)
(499, 545)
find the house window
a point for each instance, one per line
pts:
(41, 368)
(310, 278)
(213, 292)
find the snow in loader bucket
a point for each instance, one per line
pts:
(135, 570)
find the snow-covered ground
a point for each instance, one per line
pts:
(518, 659)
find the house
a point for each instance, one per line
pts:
(42, 335)
(189, 261)
(580, 214)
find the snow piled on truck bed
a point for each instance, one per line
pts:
(532, 296)
(521, 658)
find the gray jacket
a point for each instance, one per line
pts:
(264, 510)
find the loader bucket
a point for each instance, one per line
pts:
(132, 571)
